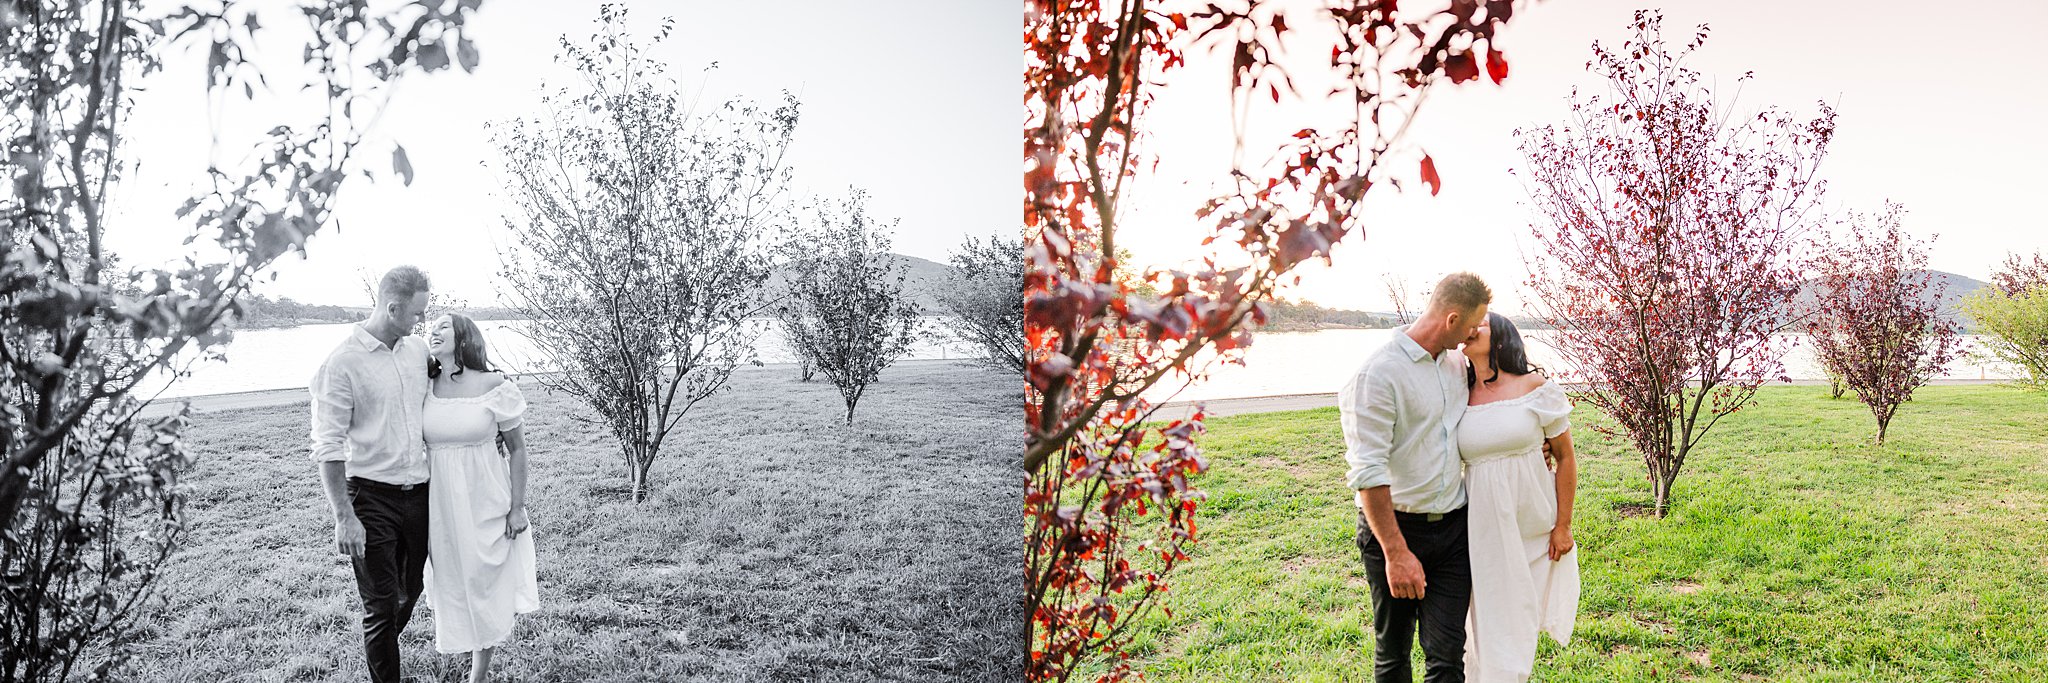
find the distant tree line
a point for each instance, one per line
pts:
(259, 312)
(1284, 315)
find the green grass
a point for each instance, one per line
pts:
(1795, 551)
(778, 545)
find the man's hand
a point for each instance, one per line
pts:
(1404, 575)
(1549, 458)
(348, 536)
(516, 523)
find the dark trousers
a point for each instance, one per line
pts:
(1442, 549)
(389, 575)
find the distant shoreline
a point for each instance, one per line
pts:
(267, 398)
(1246, 405)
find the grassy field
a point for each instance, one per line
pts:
(1795, 551)
(779, 545)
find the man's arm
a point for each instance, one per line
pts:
(1366, 406)
(333, 410)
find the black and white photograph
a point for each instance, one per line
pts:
(496, 340)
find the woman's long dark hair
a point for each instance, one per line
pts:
(1505, 353)
(469, 349)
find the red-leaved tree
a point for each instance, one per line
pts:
(1877, 321)
(1668, 244)
(2018, 275)
(1109, 507)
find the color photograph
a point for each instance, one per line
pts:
(1534, 341)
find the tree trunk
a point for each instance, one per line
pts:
(1661, 482)
(1883, 423)
(1835, 386)
(642, 462)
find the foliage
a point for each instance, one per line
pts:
(89, 489)
(847, 312)
(1878, 324)
(1109, 507)
(2016, 275)
(636, 245)
(986, 299)
(1284, 315)
(1669, 237)
(2012, 313)
(2015, 328)
(259, 311)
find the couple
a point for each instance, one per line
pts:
(392, 413)
(1464, 528)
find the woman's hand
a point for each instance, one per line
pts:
(516, 523)
(1560, 542)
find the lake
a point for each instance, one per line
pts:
(286, 358)
(1319, 362)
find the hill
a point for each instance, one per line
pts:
(1949, 289)
(926, 279)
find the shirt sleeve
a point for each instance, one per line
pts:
(1553, 409)
(1366, 407)
(333, 409)
(507, 406)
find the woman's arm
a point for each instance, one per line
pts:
(515, 454)
(1567, 489)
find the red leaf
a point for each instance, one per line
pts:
(1429, 175)
(1461, 67)
(1496, 65)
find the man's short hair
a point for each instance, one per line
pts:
(402, 284)
(1460, 291)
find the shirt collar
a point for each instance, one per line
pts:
(369, 341)
(1415, 352)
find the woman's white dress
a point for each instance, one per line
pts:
(478, 579)
(1512, 506)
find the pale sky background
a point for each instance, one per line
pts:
(913, 100)
(1937, 109)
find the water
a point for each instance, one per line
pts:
(286, 358)
(1319, 362)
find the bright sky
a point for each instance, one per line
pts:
(1931, 113)
(914, 100)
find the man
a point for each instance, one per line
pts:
(367, 400)
(1400, 414)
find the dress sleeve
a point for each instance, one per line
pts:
(507, 405)
(1553, 409)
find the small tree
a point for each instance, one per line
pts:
(1835, 386)
(1878, 323)
(985, 298)
(636, 249)
(1668, 245)
(847, 311)
(89, 491)
(2012, 314)
(1397, 291)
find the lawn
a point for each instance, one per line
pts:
(779, 545)
(1795, 551)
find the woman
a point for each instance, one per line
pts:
(477, 542)
(1525, 571)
